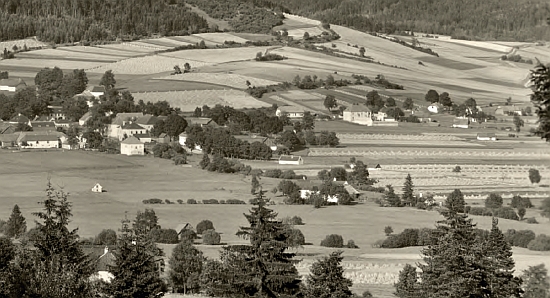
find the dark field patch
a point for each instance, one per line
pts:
(444, 62)
(456, 88)
(497, 82)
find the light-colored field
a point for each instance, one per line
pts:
(300, 95)
(189, 100)
(225, 79)
(45, 62)
(220, 37)
(145, 65)
(300, 19)
(299, 33)
(99, 51)
(218, 55)
(165, 41)
(125, 47)
(69, 55)
(20, 43)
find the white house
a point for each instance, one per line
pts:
(486, 136)
(130, 129)
(182, 138)
(114, 130)
(359, 114)
(291, 160)
(435, 107)
(132, 146)
(97, 188)
(106, 260)
(292, 112)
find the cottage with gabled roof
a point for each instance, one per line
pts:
(43, 125)
(114, 130)
(486, 136)
(132, 146)
(291, 160)
(359, 114)
(201, 121)
(12, 85)
(20, 118)
(8, 140)
(96, 91)
(38, 141)
(148, 121)
(293, 112)
(130, 129)
(461, 123)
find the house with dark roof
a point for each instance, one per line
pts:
(147, 121)
(8, 140)
(57, 112)
(359, 114)
(43, 126)
(144, 137)
(20, 118)
(104, 262)
(291, 160)
(114, 130)
(486, 136)
(202, 121)
(6, 128)
(461, 123)
(132, 146)
(182, 227)
(130, 129)
(12, 85)
(163, 138)
(293, 112)
(96, 91)
(38, 141)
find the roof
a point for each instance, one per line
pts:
(350, 189)
(251, 138)
(105, 260)
(86, 95)
(37, 137)
(20, 119)
(132, 125)
(131, 141)
(86, 116)
(63, 121)
(42, 124)
(9, 137)
(460, 121)
(306, 184)
(147, 120)
(198, 120)
(436, 104)
(123, 117)
(291, 109)
(6, 128)
(486, 135)
(357, 108)
(12, 82)
(143, 135)
(96, 89)
(163, 135)
(183, 226)
(290, 157)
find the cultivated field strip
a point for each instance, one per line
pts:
(189, 100)
(220, 37)
(430, 137)
(302, 19)
(362, 272)
(218, 55)
(20, 43)
(100, 51)
(225, 79)
(128, 48)
(62, 53)
(145, 65)
(431, 153)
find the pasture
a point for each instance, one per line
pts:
(129, 180)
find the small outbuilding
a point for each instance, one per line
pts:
(291, 160)
(461, 123)
(97, 188)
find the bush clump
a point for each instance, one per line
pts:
(506, 213)
(188, 235)
(211, 237)
(191, 201)
(295, 238)
(204, 225)
(351, 244)
(333, 240)
(235, 202)
(409, 237)
(520, 202)
(152, 201)
(166, 236)
(520, 238)
(210, 201)
(294, 221)
(540, 243)
(531, 220)
(180, 201)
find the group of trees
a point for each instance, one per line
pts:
(95, 21)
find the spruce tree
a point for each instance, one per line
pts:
(255, 185)
(407, 285)
(327, 280)
(185, 268)
(408, 192)
(500, 265)
(205, 162)
(536, 282)
(16, 225)
(390, 197)
(57, 267)
(262, 268)
(135, 273)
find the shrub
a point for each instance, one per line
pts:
(531, 220)
(519, 202)
(409, 237)
(388, 230)
(295, 238)
(351, 244)
(424, 237)
(152, 201)
(288, 174)
(421, 206)
(519, 238)
(211, 237)
(540, 243)
(333, 240)
(180, 159)
(188, 235)
(367, 294)
(274, 173)
(204, 225)
(521, 212)
(294, 221)
(180, 201)
(166, 236)
(235, 202)
(506, 213)
(168, 201)
(191, 201)
(210, 201)
(222, 202)
(493, 201)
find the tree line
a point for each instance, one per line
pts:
(60, 21)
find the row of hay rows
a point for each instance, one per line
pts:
(363, 273)
(424, 153)
(439, 181)
(145, 65)
(464, 167)
(230, 80)
(355, 136)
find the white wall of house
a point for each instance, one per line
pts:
(7, 88)
(41, 144)
(132, 149)
(363, 118)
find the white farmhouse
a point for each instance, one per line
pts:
(132, 146)
(291, 160)
(359, 114)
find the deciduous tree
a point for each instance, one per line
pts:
(108, 80)
(185, 268)
(330, 102)
(455, 201)
(534, 176)
(536, 283)
(518, 123)
(174, 126)
(493, 201)
(204, 225)
(408, 104)
(432, 96)
(540, 77)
